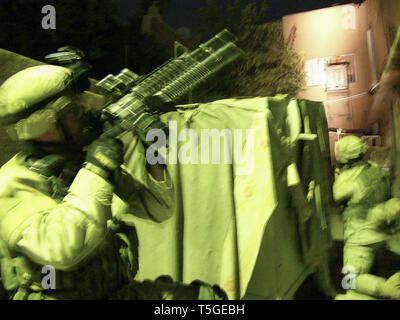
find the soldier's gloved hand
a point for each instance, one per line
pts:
(105, 154)
(390, 288)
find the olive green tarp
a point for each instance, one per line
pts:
(260, 232)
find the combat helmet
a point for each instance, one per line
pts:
(32, 100)
(350, 148)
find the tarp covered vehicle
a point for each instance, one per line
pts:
(258, 225)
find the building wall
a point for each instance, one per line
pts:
(330, 32)
(342, 30)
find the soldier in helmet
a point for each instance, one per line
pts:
(360, 184)
(364, 188)
(376, 248)
(55, 202)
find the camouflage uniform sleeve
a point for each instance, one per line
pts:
(343, 185)
(146, 197)
(58, 234)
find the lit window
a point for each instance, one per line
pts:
(336, 77)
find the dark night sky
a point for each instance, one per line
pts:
(184, 13)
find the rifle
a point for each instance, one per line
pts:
(137, 102)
